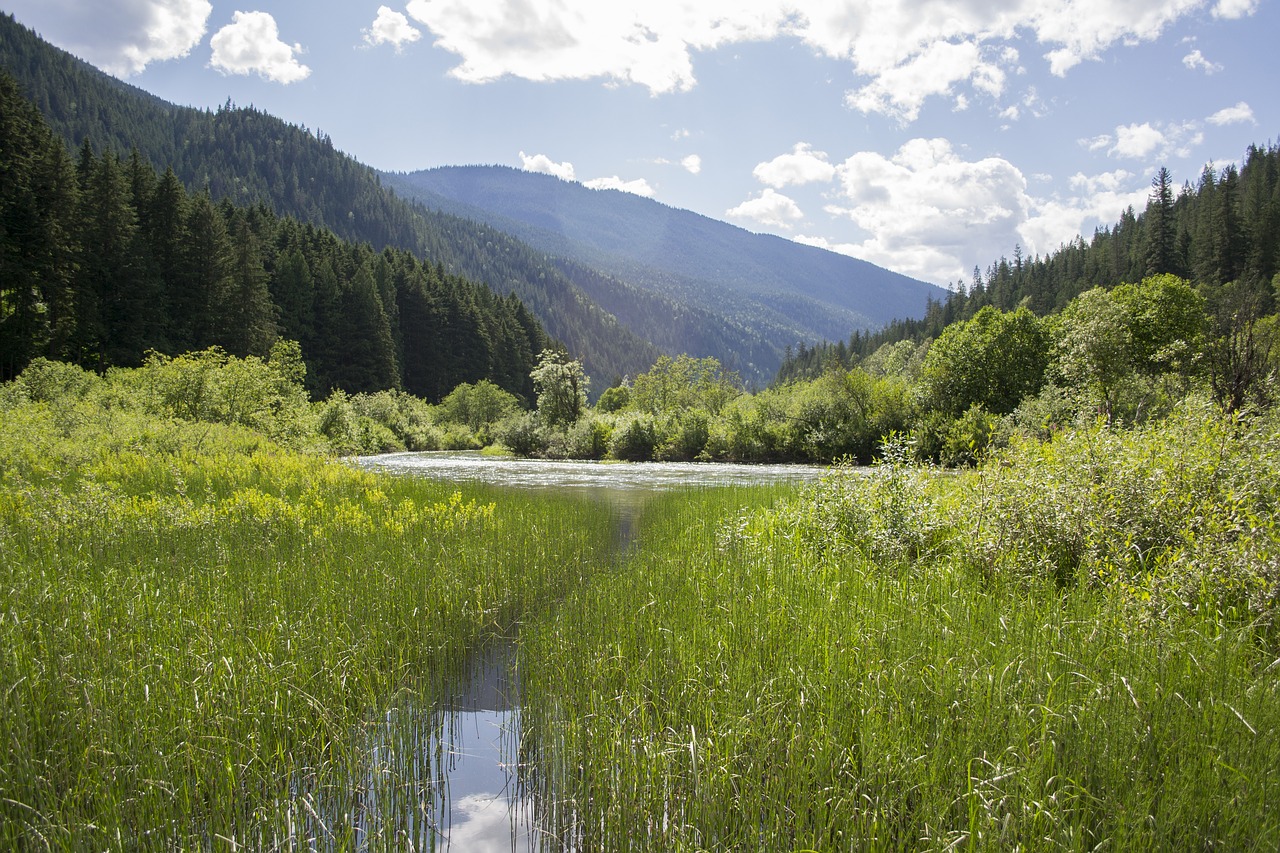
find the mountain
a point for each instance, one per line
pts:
(248, 157)
(748, 287)
(617, 278)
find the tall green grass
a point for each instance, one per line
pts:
(861, 668)
(201, 634)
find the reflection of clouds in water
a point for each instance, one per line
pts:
(483, 823)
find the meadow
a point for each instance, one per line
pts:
(202, 631)
(1070, 647)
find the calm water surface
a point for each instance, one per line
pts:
(575, 475)
(478, 805)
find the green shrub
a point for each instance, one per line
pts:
(685, 437)
(1181, 511)
(634, 439)
(588, 438)
(522, 434)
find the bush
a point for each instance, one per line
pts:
(634, 439)
(522, 434)
(1183, 511)
(889, 514)
(685, 437)
(969, 436)
(588, 438)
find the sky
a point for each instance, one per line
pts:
(926, 136)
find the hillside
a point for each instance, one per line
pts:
(748, 286)
(248, 157)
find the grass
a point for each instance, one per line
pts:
(203, 637)
(197, 626)
(745, 681)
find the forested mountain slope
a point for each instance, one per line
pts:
(103, 261)
(1220, 233)
(248, 157)
(739, 284)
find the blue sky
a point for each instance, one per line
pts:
(923, 135)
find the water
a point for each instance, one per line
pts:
(476, 803)
(585, 476)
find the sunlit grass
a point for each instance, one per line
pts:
(742, 684)
(197, 627)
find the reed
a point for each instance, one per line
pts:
(740, 683)
(203, 633)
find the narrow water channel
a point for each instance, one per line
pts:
(476, 804)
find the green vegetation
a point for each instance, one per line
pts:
(203, 630)
(1072, 648)
(104, 261)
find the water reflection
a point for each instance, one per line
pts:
(485, 809)
(474, 802)
(443, 775)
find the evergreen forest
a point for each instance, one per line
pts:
(252, 159)
(103, 260)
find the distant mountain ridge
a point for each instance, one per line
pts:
(774, 289)
(617, 278)
(249, 157)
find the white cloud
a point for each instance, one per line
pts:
(121, 38)
(1232, 9)
(770, 208)
(638, 187)
(1241, 113)
(251, 44)
(634, 41)
(901, 91)
(391, 27)
(927, 211)
(1147, 141)
(906, 50)
(1097, 143)
(543, 164)
(802, 166)
(1137, 140)
(1196, 62)
(1094, 200)
(691, 164)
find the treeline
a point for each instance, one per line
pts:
(102, 260)
(1223, 229)
(252, 158)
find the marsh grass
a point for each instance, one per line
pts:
(209, 642)
(742, 683)
(200, 630)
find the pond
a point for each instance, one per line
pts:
(585, 476)
(477, 804)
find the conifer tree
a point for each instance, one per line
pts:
(1161, 228)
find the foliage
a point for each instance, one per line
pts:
(634, 438)
(1179, 513)
(202, 628)
(683, 382)
(992, 360)
(795, 672)
(561, 386)
(249, 158)
(477, 406)
(104, 261)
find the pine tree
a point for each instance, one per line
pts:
(1160, 226)
(247, 316)
(205, 279)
